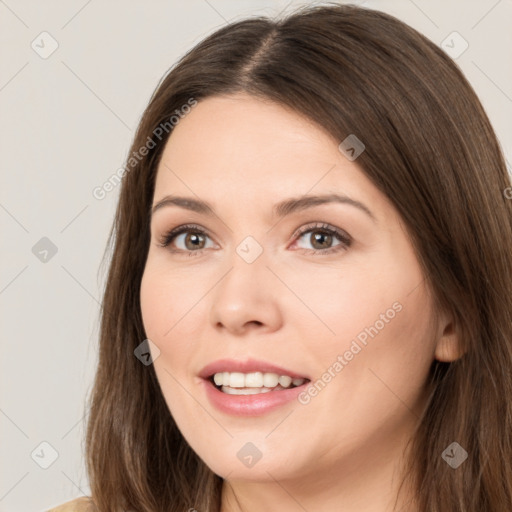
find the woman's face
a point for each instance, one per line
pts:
(328, 290)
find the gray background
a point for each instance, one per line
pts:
(66, 123)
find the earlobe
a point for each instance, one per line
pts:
(448, 348)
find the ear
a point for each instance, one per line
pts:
(448, 347)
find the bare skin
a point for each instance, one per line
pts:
(300, 304)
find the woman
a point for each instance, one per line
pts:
(309, 299)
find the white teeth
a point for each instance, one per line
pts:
(244, 391)
(236, 380)
(255, 380)
(285, 381)
(270, 380)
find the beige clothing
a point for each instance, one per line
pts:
(82, 504)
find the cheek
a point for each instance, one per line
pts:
(167, 302)
(162, 313)
(153, 304)
(386, 362)
(173, 316)
(371, 387)
(336, 305)
(376, 316)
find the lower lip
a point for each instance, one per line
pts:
(250, 405)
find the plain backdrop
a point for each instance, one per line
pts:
(67, 120)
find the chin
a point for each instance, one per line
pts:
(240, 466)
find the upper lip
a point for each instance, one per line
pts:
(249, 365)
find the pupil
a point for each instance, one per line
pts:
(319, 237)
(194, 239)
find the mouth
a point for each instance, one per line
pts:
(248, 388)
(253, 383)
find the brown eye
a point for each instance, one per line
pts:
(186, 239)
(320, 240)
(194, 241)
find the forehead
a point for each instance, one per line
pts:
(246, 148)
(243, 128)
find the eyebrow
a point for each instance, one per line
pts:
(281, 209)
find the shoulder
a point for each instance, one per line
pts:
(82, 504)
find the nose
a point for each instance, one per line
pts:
(247, 298)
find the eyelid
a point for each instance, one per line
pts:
(323, 226)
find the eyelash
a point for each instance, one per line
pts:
(344, 239)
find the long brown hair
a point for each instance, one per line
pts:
(430, 149)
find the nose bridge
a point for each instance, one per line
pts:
(248, 279)
(246, 294)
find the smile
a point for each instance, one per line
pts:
(238, 383)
